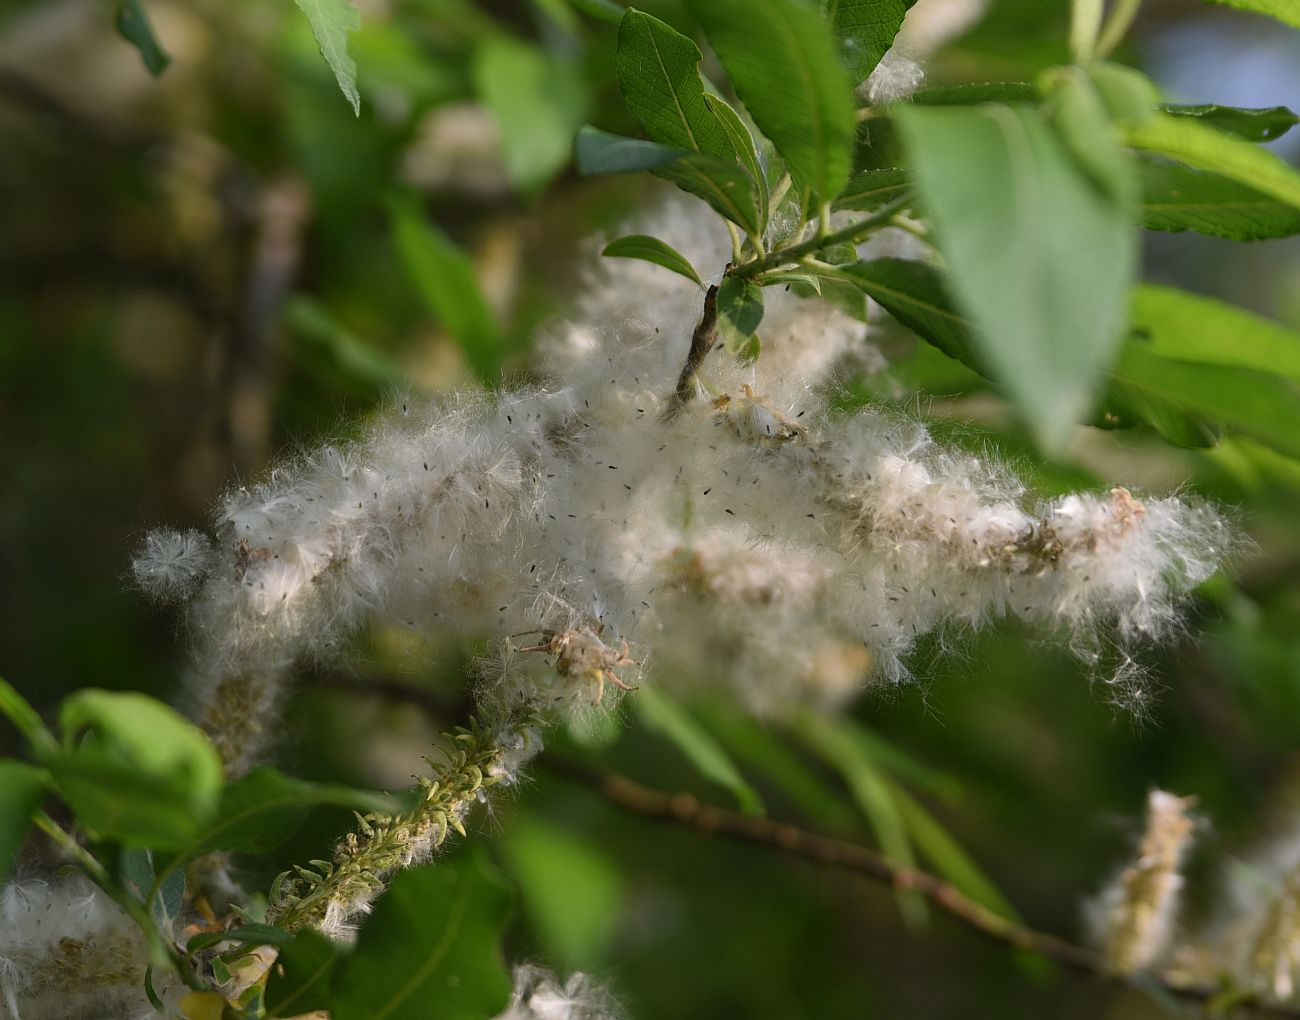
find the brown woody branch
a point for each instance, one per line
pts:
(684, 810)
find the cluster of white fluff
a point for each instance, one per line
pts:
(66, 950)
(757, 540)
(539, 995)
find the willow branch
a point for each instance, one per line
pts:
(702, 341)
(684, 810)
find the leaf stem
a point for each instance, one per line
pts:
(1116, 27)
(1085, 24)
(853, 233)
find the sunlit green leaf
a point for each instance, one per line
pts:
(1181, 326)
(1257, 404)
(672, 722)
(651, 249)
(1189, 141)
(782, 60)
(1176, 197)
(331, 21)
(142, 775)
(1039, 256)
(1287, 11)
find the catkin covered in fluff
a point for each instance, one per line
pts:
(757, 539)
(66, 950)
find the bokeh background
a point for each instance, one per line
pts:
(201, 269)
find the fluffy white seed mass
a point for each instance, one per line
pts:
(758, 539)
(539, 995)
(66, 950)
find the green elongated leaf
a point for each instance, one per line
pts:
(262, 809)
(572, 891)
(1261, 124)
(1189, 141)
(1081, 119)
(1128, 94)
(303, 974)
(651, 249)
(538, 103)
(740, 310)
(599, 152)
(742, 142)
(164, 901)
(133, 25)
(762, 750)
(1286, 11)
(916, 295)
(903, 765)
(782, 59)
(118, 801)
(836, 744)
(1174, 324)
(16, 708)
(672, 722)
(870, 190)
(22, 788)
(658, 73)
(604, 10)
(331, 343)
(444, 278)
(249, 934)
(866, 30)
(723, 184)
(1176, 198)
(432, 944)
(142, 775)
(331, 21)
(1254, 403)
(1040, 258)
(947, 856)
(975, 93)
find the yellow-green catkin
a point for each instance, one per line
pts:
(1275, 953)
(1138, 910)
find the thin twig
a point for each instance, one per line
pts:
(685, 810)
(853, 233)
(702, 341)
